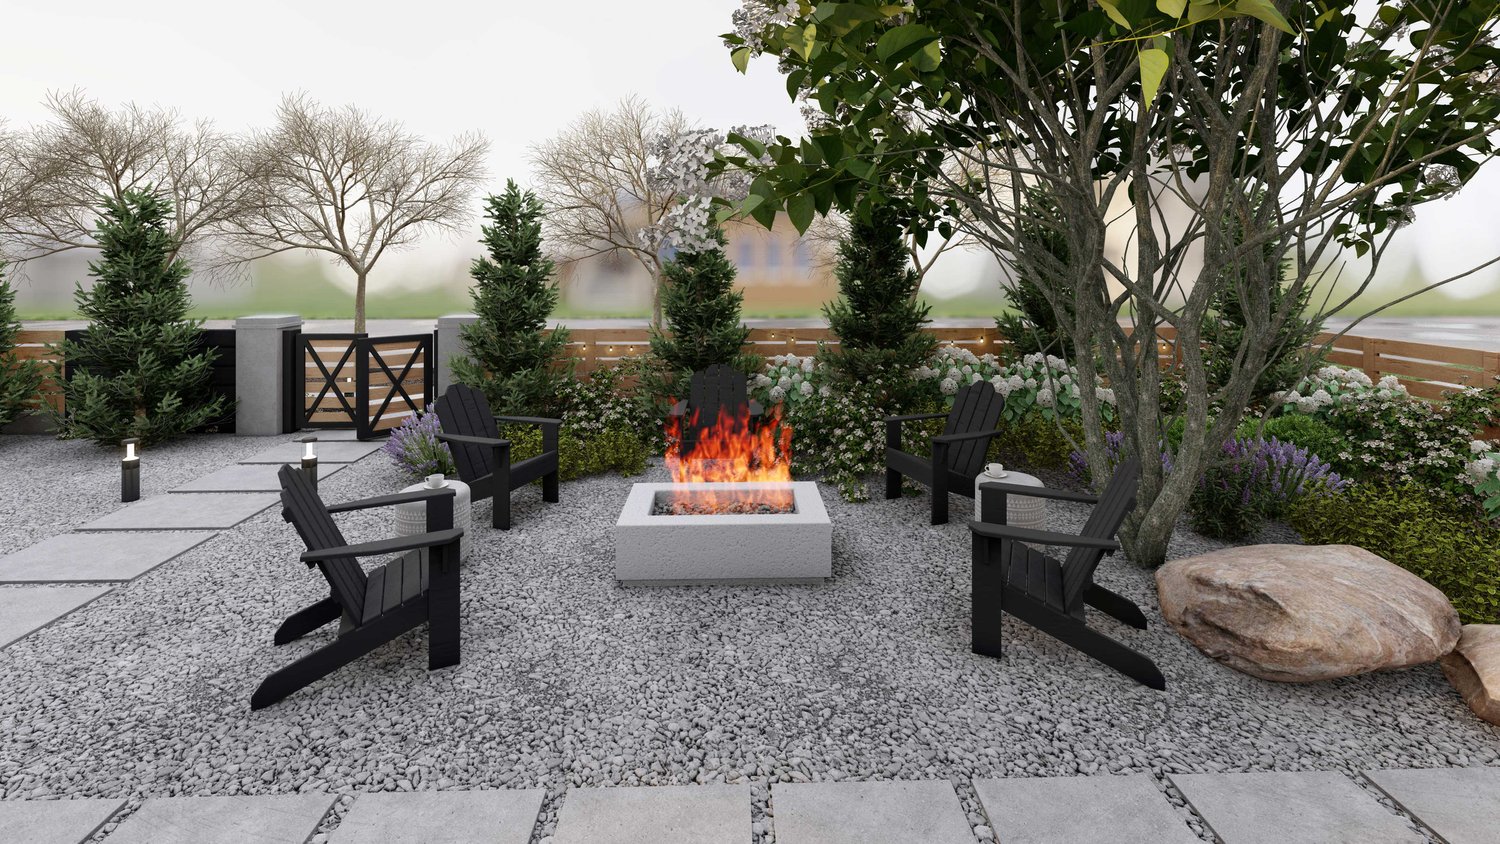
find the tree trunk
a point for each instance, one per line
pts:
(359, 303)
(656, 316)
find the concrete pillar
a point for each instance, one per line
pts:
(260, 372)
(450, 345)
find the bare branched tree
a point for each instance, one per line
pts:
(354, 186)
(827, 232)
(595, 180)
(54, 176)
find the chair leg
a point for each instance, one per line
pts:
(324, 661)
(1116, 606)
(986, 601)
(1125, 660)
(306, 620)
(939, 497)
(500, 512)
(443, 638)
(892, 484)
(549, 487)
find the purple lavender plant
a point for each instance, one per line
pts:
(416, 450)
(1255, 480)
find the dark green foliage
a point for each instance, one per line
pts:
(141, 371)
(1309, 432)
(19, 379)
(702, 312)
(611, 450)
(511, 358)
(1441, 541)
(1225, 326)
(1033, 327)
(877, 317)
(1035, 442)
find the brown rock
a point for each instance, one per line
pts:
(1298, 613)
(1474, 669)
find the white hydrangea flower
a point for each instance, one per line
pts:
(825, 391)
(1105, 395)
(1044, 397)
(1001, 385)
(1321, 398)
(1031, 383)
(949, 386)
(1389, 382)
(762, 381)
(805, 388)
(975, 377)
(777, 394)
(1480, 446)
(796, 377)
(784, 383)
(954, 374)
(1016, 382)
(1307, 405)
(807, 365)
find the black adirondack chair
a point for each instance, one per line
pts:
(713, 391)
(420, 586)
(1050, 595)
(957, 455)
(483, 458)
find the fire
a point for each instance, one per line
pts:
(732, 451)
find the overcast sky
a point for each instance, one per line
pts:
(516, 71)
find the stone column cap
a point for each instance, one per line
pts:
(268, 321)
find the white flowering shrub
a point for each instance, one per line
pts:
(1042, 384)
(682, 164)
(1316, 394)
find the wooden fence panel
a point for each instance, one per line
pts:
(34, 345)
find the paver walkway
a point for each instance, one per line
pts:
(1457, 805)
(125, 544)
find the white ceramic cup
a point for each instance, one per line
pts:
(435, 481)
(995, 470)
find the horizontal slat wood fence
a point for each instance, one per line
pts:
(1426, 370)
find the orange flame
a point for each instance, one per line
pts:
(732, 451)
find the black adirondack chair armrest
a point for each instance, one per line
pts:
(897, 420)
(1040, 492)
(679, 408)
(958, 438)
(471, 440)
(385, 546)
(390, 500)
(1042, 537)
(528, 420)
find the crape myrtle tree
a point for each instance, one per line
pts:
(1344, 115)
(511, 357)
(60, 167)
(350, 185)
(141, 370)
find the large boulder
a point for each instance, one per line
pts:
(1299, 613)
(1474, 669)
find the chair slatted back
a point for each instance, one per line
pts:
(464, 410)
(976, 407)
(714, 389)
(307, 513)
(1115, 503)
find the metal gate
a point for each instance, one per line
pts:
(370, 384)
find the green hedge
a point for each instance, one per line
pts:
(611, 450)
(1434, 539)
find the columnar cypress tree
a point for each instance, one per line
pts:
(141, 370)
(702, 311)
(1034, 327)
(19, 379)
(877, 317)
(519, 368)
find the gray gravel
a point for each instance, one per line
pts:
(50, 486)
(568, 680)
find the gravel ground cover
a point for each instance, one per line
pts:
(52, 486)
(570, 680)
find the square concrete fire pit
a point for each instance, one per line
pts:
(719, 548)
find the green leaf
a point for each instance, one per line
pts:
(750, 145)
(1266, 11)
(741, 58)
(897, 44)
(765, 214)
(929, 57)
(1203, 10)
(800, 209)
(1153, 69)
(1113, 11)
(1171, 8)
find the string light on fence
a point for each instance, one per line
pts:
(130, 471)
(310, 459)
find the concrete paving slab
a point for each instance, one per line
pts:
(186, 511)
(1462, 805)
(666, 814)
(54, 821)
(1308, 807)
(499, 816)
(1102, 809)
(346, 451)
(332, 434)
(80, 557)
(869, 813)
(284, 819)
(27, 608)
(249, 477)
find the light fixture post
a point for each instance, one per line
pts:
(130, 470)
(310, 460)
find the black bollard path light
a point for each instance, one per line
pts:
(310, 459)
(130, 471)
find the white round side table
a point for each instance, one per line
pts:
(411, 518)
(1022, 511)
